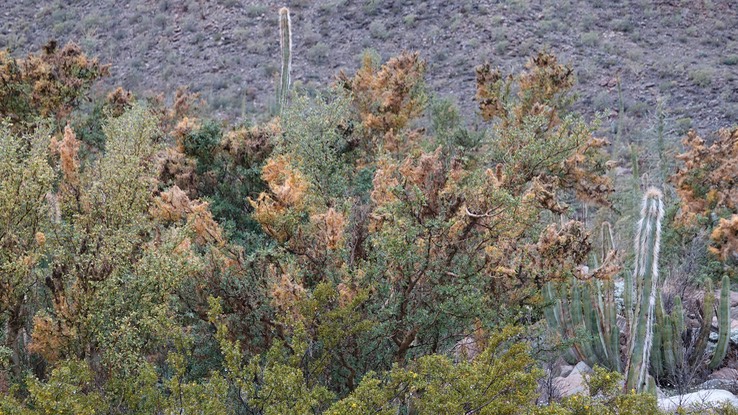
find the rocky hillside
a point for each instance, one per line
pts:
(683, 53)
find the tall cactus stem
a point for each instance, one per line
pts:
(556, 319)
(584, 344)
(724, 323)
(628, 299)
(552, 317)
(667, 340)
(614, 343)
(608, 240)
(646, 274)
(677, 321)
(657, 357)
(285, 44)
(592, 322)
(708, 311)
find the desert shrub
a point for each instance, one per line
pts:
(730, 60)
(378, 30)
(49, 84)
(701, 77)
(364, 258)
(423, 252)
(706, 185)
(318, 53)
(501, 380)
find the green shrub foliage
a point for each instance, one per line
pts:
(349, 256)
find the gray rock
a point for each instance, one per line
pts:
(566, 370)
(703, 398)
(725, 373)
(571, 385)
(724, 384)
(582, 368)
(573, 382)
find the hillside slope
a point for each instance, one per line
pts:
(683, 52)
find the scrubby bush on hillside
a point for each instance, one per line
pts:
(340, 258)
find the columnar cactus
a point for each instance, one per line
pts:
(628, 298)
(677, 327)
(585, 313)
(708, 304)
(285, 43)
(724, 322)
(669, 342)
(661, 339)
(672, 341)
(646, 278)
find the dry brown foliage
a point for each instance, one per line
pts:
(540, 86)
(176, 168)
(174, 205)
(387, 98)
(286, 295)
(50, 337)
(582, 173)
(184, 104)
(428, 175)
(286, 183)
(709, 178)
(384, 182)
(707, 184)
(542, 90)
(544, 189)
(67, 149)
(287, 190)
(489, 85)
(251, 145)
(725, 237)
(48, 84)
(543, 80)
(562, 249)
(119, 100)
(182, 129)
(329, 227)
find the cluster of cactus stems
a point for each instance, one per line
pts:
(658, 345)
(285, 43)
(646, 282)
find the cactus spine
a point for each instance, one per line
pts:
(285, 44)
(724, 322)
(646, 276)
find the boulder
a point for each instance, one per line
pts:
(726, 373)
(574, 381)
(725, 378)
(582, 368)
(571, 385)
(710, 397)
(566, 370)
(724, 384)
